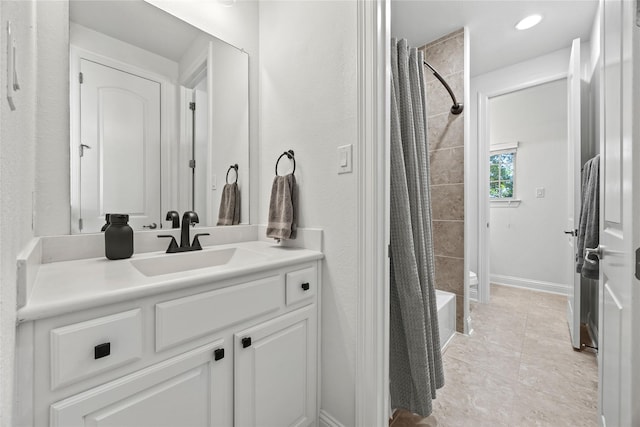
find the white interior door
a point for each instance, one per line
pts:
(574, 191)
(617, 332)
(120, 151)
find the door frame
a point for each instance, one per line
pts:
(372, 202)
(167, 109)
(484, 212)
(199, 69)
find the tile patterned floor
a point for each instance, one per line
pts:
(517, 369)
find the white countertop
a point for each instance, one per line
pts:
(63, 287)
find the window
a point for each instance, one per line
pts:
(502, 174)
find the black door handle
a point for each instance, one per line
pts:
(305, 286)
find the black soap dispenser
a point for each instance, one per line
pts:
(118, 237)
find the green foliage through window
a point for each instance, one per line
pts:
(501, 174)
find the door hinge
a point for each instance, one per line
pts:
(192, 164)
(80, 224)
(389, 251)
(80, 78)
(638, 263)
(192, 106)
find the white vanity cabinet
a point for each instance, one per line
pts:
(274, 367)
(238, 352)
(187, 390)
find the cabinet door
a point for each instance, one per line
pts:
(275, 372)
(187, 390)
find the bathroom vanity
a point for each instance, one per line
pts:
(220, 337)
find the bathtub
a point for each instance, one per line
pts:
(446, 302)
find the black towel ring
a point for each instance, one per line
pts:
(234, 167)
(291, 156)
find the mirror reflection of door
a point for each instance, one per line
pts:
(184, 61)
(120, 151)
(201, 202)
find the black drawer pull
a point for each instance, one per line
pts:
(246, 342)
(305, 286)
(102, 350)
(218, 354)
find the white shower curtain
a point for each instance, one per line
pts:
(415, 358)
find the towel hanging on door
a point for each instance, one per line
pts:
(589, 226)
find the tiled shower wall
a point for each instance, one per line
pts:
(446, 155)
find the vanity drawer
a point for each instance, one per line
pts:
(301, 284)
(87, 348)
(185, 319)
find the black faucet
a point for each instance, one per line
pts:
(174, 217)
(188, 219)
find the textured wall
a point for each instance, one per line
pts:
(52, 191)
(33, 148)
(446, 156)
(308, 103)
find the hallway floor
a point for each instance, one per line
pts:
(517, 369)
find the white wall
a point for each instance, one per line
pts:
(527, 241)
(308, 103)
(32, 156)
(112, 48)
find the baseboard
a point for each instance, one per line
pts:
(327, 420)
(536, 285)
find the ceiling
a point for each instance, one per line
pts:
(137, 23)
(494, 41)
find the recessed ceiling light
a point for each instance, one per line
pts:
(528, 22)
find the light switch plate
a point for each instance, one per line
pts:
(345, 159)
(540, 192)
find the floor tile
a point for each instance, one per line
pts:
(517, 369)
(486, 356)
(536, 408)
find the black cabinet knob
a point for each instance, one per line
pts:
(102, 350)
(305, 286)
(218, 354)
(246, 342)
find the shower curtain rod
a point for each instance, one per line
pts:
(456, 108)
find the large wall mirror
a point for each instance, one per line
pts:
(159, 117)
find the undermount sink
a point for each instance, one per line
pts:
(175, 263)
